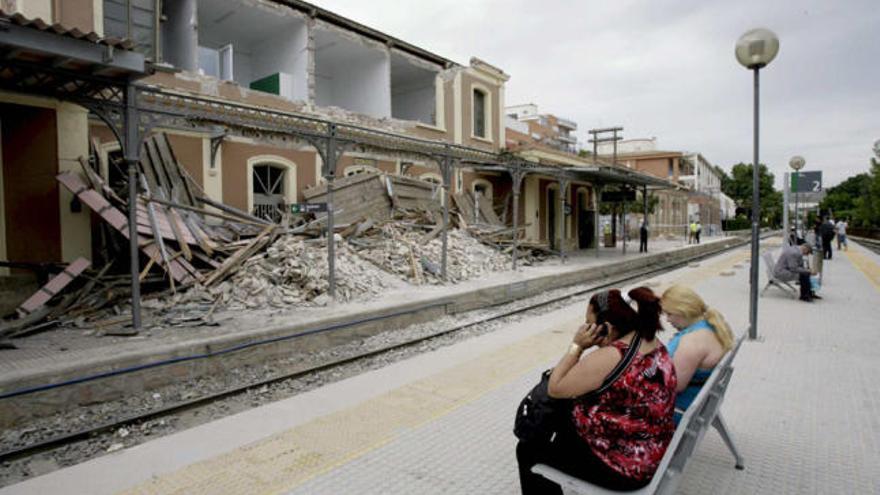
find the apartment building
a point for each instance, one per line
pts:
(548, 129)
(704, 182)
(670, 216)
(703, 199)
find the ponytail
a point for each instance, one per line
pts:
(722, 330)
(648, 319)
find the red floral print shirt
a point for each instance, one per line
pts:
(630, 424)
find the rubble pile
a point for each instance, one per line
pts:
(405, 252)
(289, 272)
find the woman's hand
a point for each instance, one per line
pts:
(588, 335)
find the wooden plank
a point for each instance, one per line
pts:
(240, 256)
(173, 167)
(147, 168)
(181, 271)
(53, 287)
(201, 237)
(178, 227)
(488, 211)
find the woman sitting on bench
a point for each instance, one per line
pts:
(702, 340)
(617, 438)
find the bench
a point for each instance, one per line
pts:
(770, 264)
(703, 412)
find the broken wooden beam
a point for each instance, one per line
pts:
(53, 287)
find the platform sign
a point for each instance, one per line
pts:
(308, 207)
(618, 196)
(807, 182)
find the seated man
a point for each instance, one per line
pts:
(790, 266)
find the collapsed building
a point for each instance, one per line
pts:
(264, 104)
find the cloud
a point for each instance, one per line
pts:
(667, 69)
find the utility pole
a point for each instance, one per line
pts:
(601, 136)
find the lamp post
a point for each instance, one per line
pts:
(796, 163)
(754, 50)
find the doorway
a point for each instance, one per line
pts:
(586, 222)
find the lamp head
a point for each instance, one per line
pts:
(757, 48)
(797, 162)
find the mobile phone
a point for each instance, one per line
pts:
(603, 330)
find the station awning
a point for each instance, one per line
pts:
(51, 60)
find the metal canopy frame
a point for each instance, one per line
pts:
(98, 75)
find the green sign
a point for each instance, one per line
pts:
(308, 207)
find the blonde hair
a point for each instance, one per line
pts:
(685, 302)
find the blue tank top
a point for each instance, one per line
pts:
(687, 396)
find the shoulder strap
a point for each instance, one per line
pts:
(619, 369)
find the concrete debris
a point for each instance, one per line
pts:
(289, 272)
(401, 251)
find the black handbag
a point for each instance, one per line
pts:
(539, 417)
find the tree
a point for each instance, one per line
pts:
(847, 198)
(739, 187)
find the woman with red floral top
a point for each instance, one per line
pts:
(617, 439)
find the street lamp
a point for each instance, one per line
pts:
(754, 50)
(796, 163)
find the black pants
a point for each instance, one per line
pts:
(570, 454)
(826, 246)
(697, 235)
(643, 244)
(806, 286)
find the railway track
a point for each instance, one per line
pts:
(872, 244)
(45, 446)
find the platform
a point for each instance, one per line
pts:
(802, 406)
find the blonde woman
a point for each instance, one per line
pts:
(703, 338)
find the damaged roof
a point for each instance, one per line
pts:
(61, 30)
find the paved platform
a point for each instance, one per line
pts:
(803, 407)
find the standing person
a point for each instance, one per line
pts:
(790, 267)
(703, 338)
(826, 230)
(699, 231)
(841, 234)
(643, 237)
(618, 438)
(692, 232)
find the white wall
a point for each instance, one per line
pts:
(354, 78)
(414, 102)
(286, 53)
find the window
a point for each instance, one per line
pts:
(268, 191)
(216, 63)
(135, 20)
(479, 113)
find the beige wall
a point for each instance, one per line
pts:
(75, 14)
(73, 144)
(468, 84)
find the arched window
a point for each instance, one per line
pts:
(268, 191)
(271, 185)
(483, 189)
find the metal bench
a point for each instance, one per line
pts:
(769, 264)
(703, 412)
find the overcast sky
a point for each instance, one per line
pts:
(667, 69)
